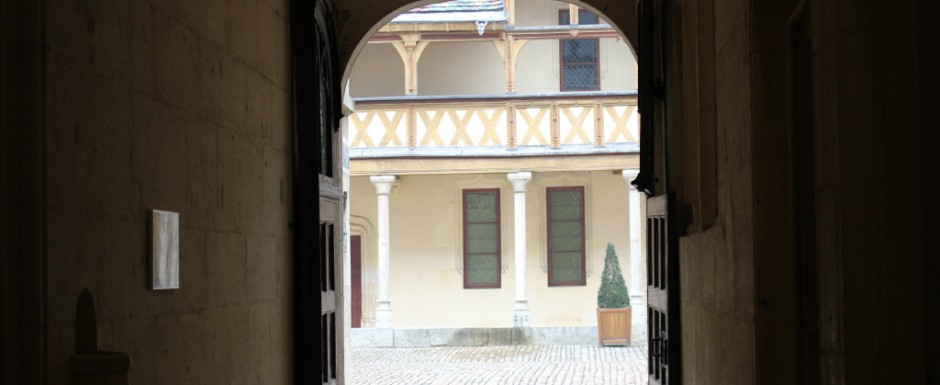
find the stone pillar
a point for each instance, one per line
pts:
(383, 312)
(637, 256)
(519, 181)
(637, 281)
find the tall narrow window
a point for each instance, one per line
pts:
(481, 243)
(580, 64)
(565, 236)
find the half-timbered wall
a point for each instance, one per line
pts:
(540, 125)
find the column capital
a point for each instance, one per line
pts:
(519, 180)
(383, 183)
(630, 174)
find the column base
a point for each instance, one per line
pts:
(638, 310)
(520, 316)
(383, 315)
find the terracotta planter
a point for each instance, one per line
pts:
(613, 326)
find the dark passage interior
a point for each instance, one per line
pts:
(794, 139)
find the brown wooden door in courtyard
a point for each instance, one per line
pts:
(662, 282)
(318, 196)
(662, 245)
(355, 252)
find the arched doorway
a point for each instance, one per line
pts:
(350, 24)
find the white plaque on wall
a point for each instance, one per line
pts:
(166, 250)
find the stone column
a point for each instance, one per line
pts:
(519, 181)
(383, 312)
(637, 256)
(637, 281)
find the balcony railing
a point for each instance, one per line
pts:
(504, 125)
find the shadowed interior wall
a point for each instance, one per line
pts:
(928, 37)
(787, 313)
(739, 296)
(21, 202)
(717, 277)
(8, 235)
(180, 106)
(184, 106)
(870, 237)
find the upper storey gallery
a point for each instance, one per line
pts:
(491, 48)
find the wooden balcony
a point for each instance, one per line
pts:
(589, 123)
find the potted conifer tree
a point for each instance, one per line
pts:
(613, 303)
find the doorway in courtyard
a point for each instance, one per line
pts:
(488, 150)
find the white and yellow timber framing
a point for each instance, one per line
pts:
(508, 126)
(410, 39)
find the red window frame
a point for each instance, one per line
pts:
(499, 241)
(548, 240)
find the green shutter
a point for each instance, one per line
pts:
(481, 238)
(482, 207)
(566, 235)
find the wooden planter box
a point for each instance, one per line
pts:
(613, 326)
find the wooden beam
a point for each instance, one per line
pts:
(410, 47)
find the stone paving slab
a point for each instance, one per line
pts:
(417, 338)
(499, 365)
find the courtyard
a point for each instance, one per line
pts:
(500, 365)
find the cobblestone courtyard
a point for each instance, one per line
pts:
(498, 365)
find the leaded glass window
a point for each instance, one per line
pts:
(585, 17)
(481, 241)
(565, 236)
(580, 64)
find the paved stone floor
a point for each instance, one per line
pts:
(498, 365)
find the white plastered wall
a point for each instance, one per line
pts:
(378, 71)
(460, 68)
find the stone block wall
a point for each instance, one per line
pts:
(180, 106)
(184, 106)
(873, 84)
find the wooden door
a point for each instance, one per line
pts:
(318, 196)
(355, 253)
(663, 300)
(654, 51)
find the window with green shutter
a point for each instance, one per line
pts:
(565, 236)
(481, 241)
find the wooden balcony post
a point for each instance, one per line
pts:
(510, 126)
(412, 125)
(410, 48)
(598, 125)
(555, 127)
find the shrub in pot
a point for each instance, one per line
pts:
(613, 303)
